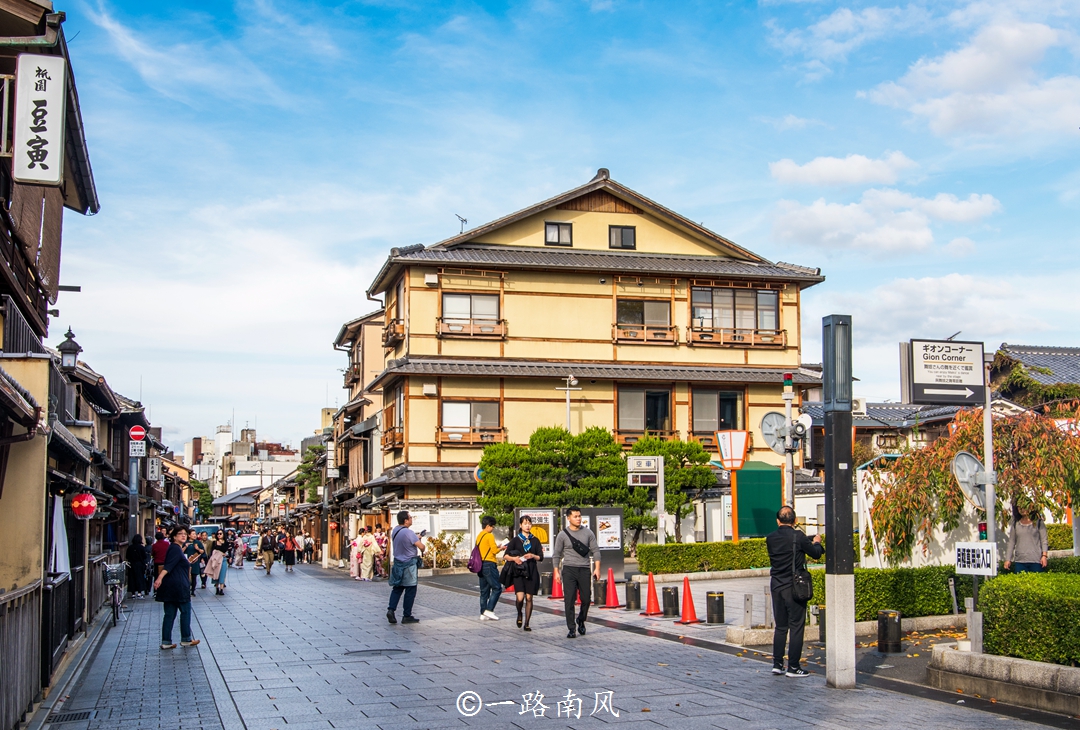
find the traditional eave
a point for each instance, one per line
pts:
(97, 389)
(595, 370)
(349, 331)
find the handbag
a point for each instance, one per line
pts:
(802, 585)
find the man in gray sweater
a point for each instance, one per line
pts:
(574, 548)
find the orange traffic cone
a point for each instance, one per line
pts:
(612, 594)
(689, 616)
(652, 604)
(556, 589)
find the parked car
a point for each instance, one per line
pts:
(252, 542)
(210, 530)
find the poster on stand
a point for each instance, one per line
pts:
(609, 532)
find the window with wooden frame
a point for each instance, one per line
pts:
(470, 423)
(471, 315)
(644, 320)
(743, 317)
(715, 410)
(622, 237)
(643, 410)
(394, 329)
(558, 234)
(393, 418)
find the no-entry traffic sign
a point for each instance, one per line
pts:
(947, 372)
(137, 433)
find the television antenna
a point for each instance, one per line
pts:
(463, 221)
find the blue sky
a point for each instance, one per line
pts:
(257, 159)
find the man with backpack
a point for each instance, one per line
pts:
(488, 570)
(791, 588)
(575, 547)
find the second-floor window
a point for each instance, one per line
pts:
(622, 237)
(470, 307)
(558, 234)
(461, 416)
(716, 410)
(643, 311)
(741, 309)
(642, 409)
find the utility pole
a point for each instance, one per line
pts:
(988, 465)
(570, 382)
(789, 443)
(839, 550)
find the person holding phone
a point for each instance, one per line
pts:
(404, 574)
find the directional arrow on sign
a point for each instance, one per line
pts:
(966, 392)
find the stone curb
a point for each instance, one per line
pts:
(1039, 685)
(758, 636)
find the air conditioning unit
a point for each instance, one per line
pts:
(858, 406)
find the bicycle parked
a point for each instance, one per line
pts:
(115, 577)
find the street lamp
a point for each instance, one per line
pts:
(69, 352)
(570, 382)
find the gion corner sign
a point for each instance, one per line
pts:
(946, 372)
(40, 98)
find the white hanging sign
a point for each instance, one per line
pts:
(40, 100)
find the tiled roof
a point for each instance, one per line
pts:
(473, 254)
(595, 370)
(404, 474)
(888, 415)
(1062, 362)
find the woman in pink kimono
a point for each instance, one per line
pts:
(355, 555)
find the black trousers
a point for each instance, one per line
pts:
(576, 580)
(790, 619)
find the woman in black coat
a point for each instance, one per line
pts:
(136, 558)
(173, 586)
(525, 552)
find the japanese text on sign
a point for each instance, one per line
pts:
(976, 558)
(947, 363)
(40, 99)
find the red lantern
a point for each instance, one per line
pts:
(333, 526)
(84, 505)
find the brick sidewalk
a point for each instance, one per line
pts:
(274, 658)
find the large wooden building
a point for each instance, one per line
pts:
(665, 326)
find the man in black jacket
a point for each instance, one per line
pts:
(788, 549)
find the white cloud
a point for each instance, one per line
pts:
(850, 170)
(961, 246)
(990, 309)
(790, 121)
(990, 86)
(885, 220)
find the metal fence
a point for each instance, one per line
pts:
(18, 335)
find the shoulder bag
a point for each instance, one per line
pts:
(476, 560)
(802, 585)
(579, 547)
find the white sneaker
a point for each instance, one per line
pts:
(483, 617)
(491, 615)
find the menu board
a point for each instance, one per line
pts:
(609, 532)
(542, 527)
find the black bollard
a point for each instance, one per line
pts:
(821, 624)
(633, 596)
(599, 592)
(714, 607)
(671, 602)
(545, 584)
(888, 632)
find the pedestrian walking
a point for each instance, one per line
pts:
(218, 566)
(575, 548)
(267, 545)
(195, 554)
(354, 555)
(490, 588)
(369, 554)
(208, 547)
(158, 551)
(788, 549)
(1027, 549)
(136, 557)
(173, 590)
(288, 552)
(382, 541)
(403, 576)
(309, 549)
(525, 552)
(239, 551)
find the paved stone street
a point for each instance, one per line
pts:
(276, 655)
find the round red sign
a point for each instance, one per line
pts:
(137, 433)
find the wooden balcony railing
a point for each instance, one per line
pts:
(470, 436)
(483, 329)
(20, 652)
(353, 373)
(393, 332)
(707, 439)
(649, 334)
(626, 438)
(736, 337)
(393, 438)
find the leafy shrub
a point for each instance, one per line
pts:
(703, 556)
(1063, 565)
(1032, 616)
(1059, 537)
(911, 591)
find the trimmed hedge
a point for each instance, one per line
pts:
(1032, 616)
(1063, 565)
(698, 557)
(1059, 537)
(911, 591)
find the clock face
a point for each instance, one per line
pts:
(771, 426)
(965, 468)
